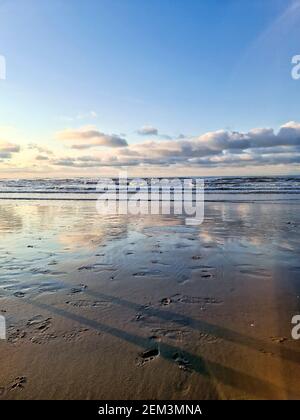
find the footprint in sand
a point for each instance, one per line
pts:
(19, 294)
(279, 340)
(147, 273)
(139, 317)
(39, 322)
(18, 383)
(200, 300)
(15, 335)
(54, 262)
(86, 267)
(208, 338)
(43, 338)
(34, 330)
(40, 326)
(139, 274)
(75, 334)
(182, 362)
(147, 356)
(88, 303)
(206, 276)
(166, 301)
(79, 289)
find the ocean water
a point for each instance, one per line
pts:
(216, 188)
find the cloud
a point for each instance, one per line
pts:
(7, 150)
(41, 157)
(83, 162)
(88, 137)
(9, 147)
(259, 147)
(40, 149)
(5, 155)
(148, 130)
(223, 147)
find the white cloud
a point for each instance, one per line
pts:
(88, 137)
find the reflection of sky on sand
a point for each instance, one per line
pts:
(261, 225)
(38, 238)
(73, 226)
(76, 241)
(9, 220)
(227, 265)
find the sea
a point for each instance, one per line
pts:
(215, 188)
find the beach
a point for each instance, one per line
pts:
(146, 307)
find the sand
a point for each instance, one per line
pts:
(122, 307)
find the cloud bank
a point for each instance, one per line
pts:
(222, 148)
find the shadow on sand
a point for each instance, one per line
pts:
(215, 371)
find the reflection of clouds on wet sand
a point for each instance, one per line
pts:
(73, 241)
(198, 304)
(10, 220)
(259, 225)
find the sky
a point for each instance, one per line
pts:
(157, 87)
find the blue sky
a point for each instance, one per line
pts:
(113, 66)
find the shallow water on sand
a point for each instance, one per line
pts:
(147, 307)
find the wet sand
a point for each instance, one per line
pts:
(122, 307)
